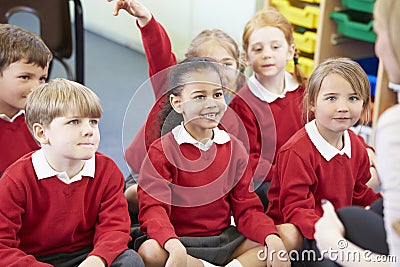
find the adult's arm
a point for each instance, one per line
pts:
(387, 147)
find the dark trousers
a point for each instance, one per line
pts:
(127, 258)
(365, 228)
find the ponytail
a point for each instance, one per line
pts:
(299, 75)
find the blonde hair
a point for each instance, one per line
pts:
(225, 41)
(349, 70)
(56, 98)
(17, 44)
(387, 13)
(273, 18)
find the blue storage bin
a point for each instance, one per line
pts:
(369, 64)
(372, 83)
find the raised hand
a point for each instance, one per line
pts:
(135, 8)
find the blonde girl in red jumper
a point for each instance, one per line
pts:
(194, 178)
(379, 232)
(324, 159)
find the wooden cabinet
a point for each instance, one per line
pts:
(331, 43)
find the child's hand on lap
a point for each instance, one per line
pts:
(275, 246)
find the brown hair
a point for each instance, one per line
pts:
(349, 70)
(18, 44)
(273, 18)
(55, 98)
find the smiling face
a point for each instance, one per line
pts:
(268, 52)
(201, 103)
(337, 107)
(17, 81)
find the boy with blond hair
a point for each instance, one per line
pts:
(64, 205)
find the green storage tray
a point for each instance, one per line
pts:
(360, 5)
(354, 24)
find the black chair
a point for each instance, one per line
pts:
(55, 28)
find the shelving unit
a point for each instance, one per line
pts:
(331, 43)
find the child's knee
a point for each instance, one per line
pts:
(152, 253)
(131, 194)
(291, 236)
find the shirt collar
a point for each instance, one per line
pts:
(6, 118)
(266, 95)
(181, 136)
(327, 150)
(44, 170)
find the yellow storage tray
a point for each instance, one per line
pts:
(306, 41)
(306, 17)
(306, 64)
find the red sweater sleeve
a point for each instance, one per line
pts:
(158, 49)
(10, 225)
(260, 165)
(154, 208)
(247, 209)
(113, 224)
(296, 200)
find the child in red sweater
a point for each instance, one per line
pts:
(214, 44)
(195, 177)
(63, 205)
(24, 63)
(269, 105)
(324, 160)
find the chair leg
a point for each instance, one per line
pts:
(79, 38)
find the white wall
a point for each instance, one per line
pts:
(183, 20)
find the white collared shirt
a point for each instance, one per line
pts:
(266, 95)
(181, 136)
(6, 118)
(44, 170)
(327, 150)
